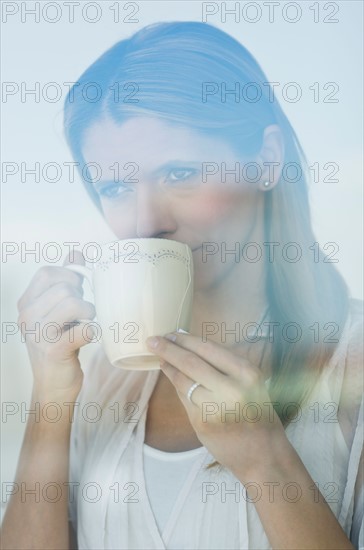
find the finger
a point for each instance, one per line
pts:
(64, 343)
(45, 278)
(70, 310)
(218, 356)
(61, 319)
(183, 384)
(79, 337)
(44, 304)
(188, 363)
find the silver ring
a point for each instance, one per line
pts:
(191, 390)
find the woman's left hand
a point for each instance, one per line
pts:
(230, 411)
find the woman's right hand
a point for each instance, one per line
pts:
(53, 299)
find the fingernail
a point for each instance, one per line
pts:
(153, 341)
(172, 337)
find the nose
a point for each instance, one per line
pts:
(153, 217)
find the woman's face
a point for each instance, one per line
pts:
(168, 198)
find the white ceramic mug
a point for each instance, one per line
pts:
(142, 287)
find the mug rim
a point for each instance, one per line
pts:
(142, 239)
(110, 252)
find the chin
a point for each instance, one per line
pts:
(204, 278)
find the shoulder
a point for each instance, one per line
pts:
(356, 312)
(354, 352)
(352, 388)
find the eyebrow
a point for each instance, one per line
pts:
(176, 164)
(161, 169)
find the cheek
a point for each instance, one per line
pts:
(216, 205)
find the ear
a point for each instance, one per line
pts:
(271, 157)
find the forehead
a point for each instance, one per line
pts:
(149, 140)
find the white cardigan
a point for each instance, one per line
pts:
(112, 510)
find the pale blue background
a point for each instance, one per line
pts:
(304, 52)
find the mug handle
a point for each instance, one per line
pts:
(82, 270)
(87, 273)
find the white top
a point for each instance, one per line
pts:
(112, 509)
(165, 474)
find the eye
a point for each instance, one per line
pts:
(112, 191)
(178, 175)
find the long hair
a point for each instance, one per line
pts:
(167, 64)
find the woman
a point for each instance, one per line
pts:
(238, 440)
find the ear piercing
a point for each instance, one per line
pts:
(266, 184)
